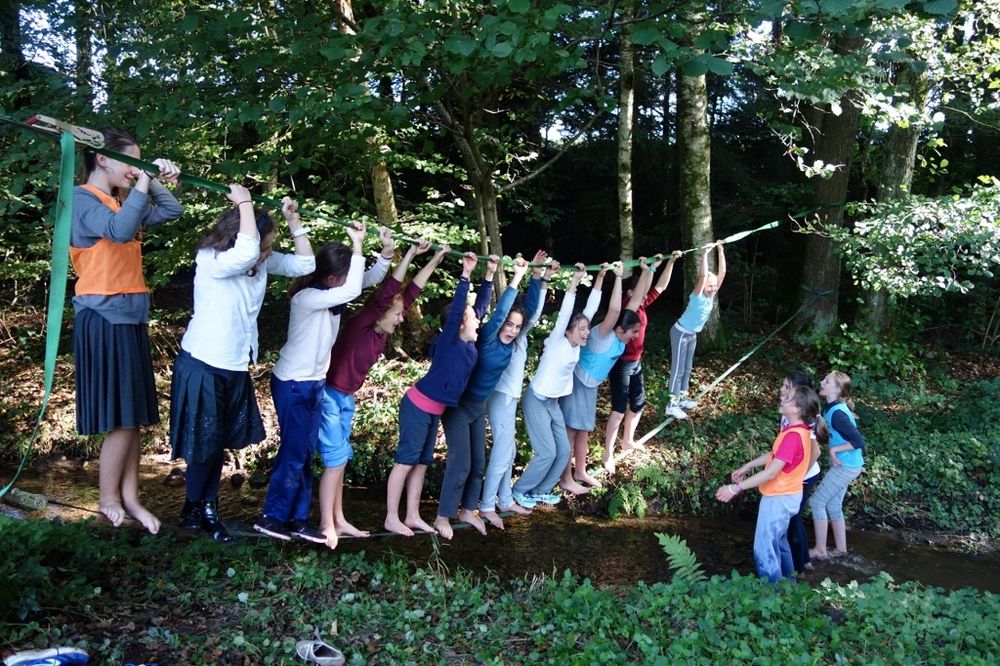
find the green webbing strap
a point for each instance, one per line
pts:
(57, 287)
(815, 295)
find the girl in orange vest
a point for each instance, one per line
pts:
(780, 482)
(115, 393)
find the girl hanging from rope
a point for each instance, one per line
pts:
(684, 334)
(553, 379)
(846, 464)
(298, 378)
(213, 406)
(604, 347)
(115, 391)
(780, 481)
(453, 355)
(358, 347)
(465, 423)
(628, 390)
(502, 406)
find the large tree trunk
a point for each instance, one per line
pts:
(626, 110)
(694, 169)
(896, 165)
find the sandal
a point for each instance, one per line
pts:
(318, 652)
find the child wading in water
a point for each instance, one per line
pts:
(453, 355)
(298, 378)
(115, 390)
(684, 334)
(780, 482)
(846, 464)
(213, 405)
(358, 347)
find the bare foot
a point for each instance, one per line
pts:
(516, 508)
(348, 530)
(493, 518)
(143, 516)
(574, 487)
(418, 523)
(815, 554)
(332, 538)
(609, 466)
(443, 527)
(113, 511)
(472, 518)
(393, 524)
(588, 480)
(633, 446)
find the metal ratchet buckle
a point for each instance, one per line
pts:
(83, 135)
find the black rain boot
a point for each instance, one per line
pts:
(210, 522)
(190, 516)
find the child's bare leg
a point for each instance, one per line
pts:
(130, 486)
(443, 527)
(580, 445)
(631, 425)
(343, 527)
(114, 454)
(414, 487)
(567, 483)
(394, 491)
(471, 517)
(839, 535)
(820, 529)
(327, 498)
(610, 435)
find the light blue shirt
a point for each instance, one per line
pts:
(697, 312)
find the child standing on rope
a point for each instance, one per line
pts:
(628, 390)
(465, 423)
(298, 378)
(359, 345)
(213, 405)
(780, 481)
(453, 355)
(502, 407)
(553, 379)
(846, 464)
(115, 390)
(604, 347)
(684, 334)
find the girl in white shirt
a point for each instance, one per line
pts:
(212, 402)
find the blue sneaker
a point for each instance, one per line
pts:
(48, 657)
(546, 498)
(527, 501)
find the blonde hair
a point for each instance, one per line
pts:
(843, 381)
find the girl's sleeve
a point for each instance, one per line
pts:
(377, 304)
(483, 298)
(93, 220)
(290, 265)
(377, 272)
(593, 302)
(457, 310)
(842, 424)
(535, 294)
(322, 299)
(237, 260)
(163, 207)
(565, 312)
(500, 313)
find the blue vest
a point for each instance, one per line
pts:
(852, 458)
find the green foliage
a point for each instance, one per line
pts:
(682, 559)
(866, 357)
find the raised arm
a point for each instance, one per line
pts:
(721, 258)
(699, 285)
(300, 235)
(377, 271)
(642, 284)
(661, 284)
(419, 247)
(420, 279)
(486, 287)
(505, 302)
(615, 303)
(569, 300)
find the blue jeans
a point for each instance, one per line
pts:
(299, 406)
(771, 553)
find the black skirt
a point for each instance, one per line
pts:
(114, 375)
(210, 410)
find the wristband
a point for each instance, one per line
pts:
(240, 203)
(302, 231)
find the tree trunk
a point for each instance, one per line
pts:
(896, 165)
(626, 110)
(694, 170)
(83, 15)
(10, 35)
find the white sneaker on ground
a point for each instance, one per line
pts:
(688, 404)
(676, 412)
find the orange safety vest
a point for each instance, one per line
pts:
(107, 267)
(788, 482)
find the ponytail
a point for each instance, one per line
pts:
(822, 431)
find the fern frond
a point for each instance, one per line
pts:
(681, 559)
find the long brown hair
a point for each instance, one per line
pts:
(222, 236)
(332, 260)
(807, 402)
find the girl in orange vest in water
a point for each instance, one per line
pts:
(780, 482)
(115, 393)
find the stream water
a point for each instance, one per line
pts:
(547, 542)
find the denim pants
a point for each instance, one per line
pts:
(549, 443)
(502, 409)
(827, 502)
(299, 406)
(771, 553)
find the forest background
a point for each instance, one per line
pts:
(595, 130)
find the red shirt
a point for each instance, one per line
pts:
(635, 346)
